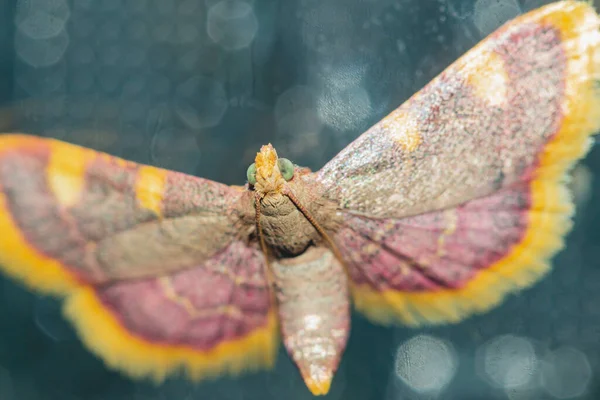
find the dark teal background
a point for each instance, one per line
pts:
(144, 80)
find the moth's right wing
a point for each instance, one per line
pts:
(154, 265)
(458, 197)
(521, 104)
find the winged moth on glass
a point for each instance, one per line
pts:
(437, 212)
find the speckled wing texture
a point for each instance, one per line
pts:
(154, 276)
(458, 196)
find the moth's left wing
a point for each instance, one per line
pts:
(214, 318)
(99, 218)
(155, 266)
(423, 235)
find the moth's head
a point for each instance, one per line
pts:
(269, 173)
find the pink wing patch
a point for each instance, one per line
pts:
(214, 318)
(446, 265)
(201, 307)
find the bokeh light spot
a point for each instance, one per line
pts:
(41, 52)
(491, 14)
(426, 364)
(201, 102)
(41, 19)
(508, 361)
(566, 373)
(344, 109)
(232, 24)
(296, 112)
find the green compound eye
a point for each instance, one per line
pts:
(286, 168)
(251, 174)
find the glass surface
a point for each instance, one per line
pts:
(197, 86)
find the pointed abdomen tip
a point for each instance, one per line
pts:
(318, 380)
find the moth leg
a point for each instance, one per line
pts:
(268, 269)
(261, 236)
(287, 192)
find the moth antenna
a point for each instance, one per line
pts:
(261, 238)
(287, 192)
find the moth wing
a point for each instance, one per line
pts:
(120, 241)
(447, 265)
(215, 318)
(458, 197)
(93, 218)
(520, 104)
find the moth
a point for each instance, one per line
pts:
(452, 201)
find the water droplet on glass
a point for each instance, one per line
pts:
(41, 19)
(201, 102)
(491, 14)
(426, 364)
(342, 75)
(42, 52)
(527, 392)
(508, 361)
(327, 28)
(566, 373)
(296, 112)
(232, 24)
(344, 109)
(460, 9)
